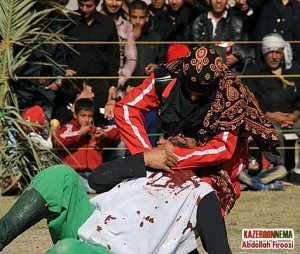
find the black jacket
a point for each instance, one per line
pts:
(111, 173)
(270, 92)
(94, 59)
(233, 29)
(148, 53)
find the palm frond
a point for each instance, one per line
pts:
(22, 25)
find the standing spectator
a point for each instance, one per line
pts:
(155, 7)
(94, 59)
(278, 97)
(276, 16)
(42, 91)
(172, 23)
(149, 55)
(81, 141)
(124, 11)
(243, 11)
(220, 25)
(128, 53)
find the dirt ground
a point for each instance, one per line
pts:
(253, 210)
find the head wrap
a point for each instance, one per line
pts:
(226, 104)
(272, 42)
(176, 50)
(35, 115)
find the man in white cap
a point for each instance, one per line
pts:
(278, 96)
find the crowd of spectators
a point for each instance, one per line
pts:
(121, 39)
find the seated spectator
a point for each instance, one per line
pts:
(278, 96)
(81, 141)
(128, 52)
(219, 24)
(38, 132)
(258, 176)
(71, 91)
(149, 55)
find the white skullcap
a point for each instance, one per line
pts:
(272, 42)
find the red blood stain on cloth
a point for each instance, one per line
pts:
(188, 226)
(108, 218)
(175, 180)
(148, 218)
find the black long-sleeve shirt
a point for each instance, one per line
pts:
(94, 59)
(111, 173)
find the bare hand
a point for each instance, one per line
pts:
(85, 95)
(109, 109)
(160, 159)
(54, 86)
(84, 129)
(231, 60)
(137, 31)
(277, 117)
(150, 68)
(165, 144)
(100, 133)
(70, 72)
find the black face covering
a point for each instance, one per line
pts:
(180, 113)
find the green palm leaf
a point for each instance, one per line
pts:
(23, 25)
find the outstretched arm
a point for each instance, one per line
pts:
(109, 174)
(129, 115)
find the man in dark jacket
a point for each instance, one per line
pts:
(149, 55)
(94, 59)
(219, 24)
(276, 16)
(172, 23)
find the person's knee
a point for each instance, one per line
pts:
(64, 246)
(62, 170)
(54, 172)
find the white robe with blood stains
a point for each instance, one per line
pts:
(153, 214)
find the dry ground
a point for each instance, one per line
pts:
(252, 210)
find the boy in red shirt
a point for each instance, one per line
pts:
(81, 142)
